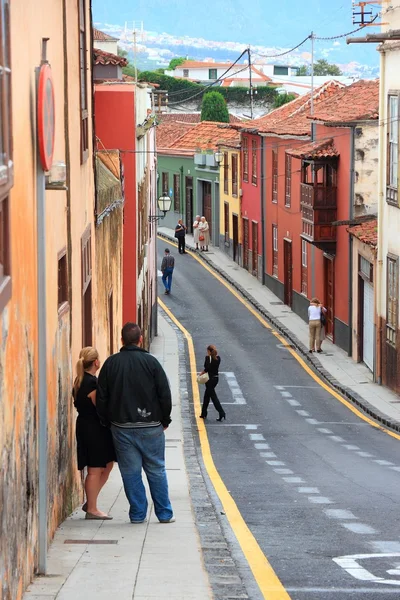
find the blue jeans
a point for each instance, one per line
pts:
(143, 448)
(167, 279)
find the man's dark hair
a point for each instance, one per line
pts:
(167, 250)
(130, 334)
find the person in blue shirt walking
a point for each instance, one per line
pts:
(167, 268)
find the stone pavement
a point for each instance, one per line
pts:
(352, 379)
(114, 559)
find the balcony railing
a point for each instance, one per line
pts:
(318, 211)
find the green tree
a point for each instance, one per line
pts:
(214, 108)
(130, 68)
(282, 99)
(321, 67)
(175, 62)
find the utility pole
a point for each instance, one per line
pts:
(312, 36)
(251, 84)
(134, 54)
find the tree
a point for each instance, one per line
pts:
(130, 68)
(321, 67)
(214, 108)
(282, 99)
(175, 62)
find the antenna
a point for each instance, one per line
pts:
(363, 14)
(134, 31)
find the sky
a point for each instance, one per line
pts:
(272, 23)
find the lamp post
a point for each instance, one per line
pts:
(218, 155)
(164, 204)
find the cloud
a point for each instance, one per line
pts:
(337, 43)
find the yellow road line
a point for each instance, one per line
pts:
(293, 352)
(265, 576)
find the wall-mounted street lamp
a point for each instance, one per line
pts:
(164, 204)
(218, 155)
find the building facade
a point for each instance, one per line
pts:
(230, 217)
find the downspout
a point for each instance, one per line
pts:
(263, 261)
(351, 215)
(181, 203)
(381, 200)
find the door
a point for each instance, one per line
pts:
(246, 244)
(189, 204)
(368, 326)
(207, 205)
(288, 266)
(235, 236)
(329, 295)
(254, 256)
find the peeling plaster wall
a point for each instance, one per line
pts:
(366, 147)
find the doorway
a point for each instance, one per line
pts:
(329, 295)
(254, 256)
(207, 204)
(367, 322)
(245, 243)
(189, 203)
(235, 237)
(288, 272)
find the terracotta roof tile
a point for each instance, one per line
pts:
(170, 132)
(207, 135)
(100, 36)
(356, 102)
(106, 58)
(313, 150)
(190, 118)
(366, 232)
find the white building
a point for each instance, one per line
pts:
(210, 71)
(105, 42)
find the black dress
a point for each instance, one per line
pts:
(94, 442)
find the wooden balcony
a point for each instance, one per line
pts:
(318, 212)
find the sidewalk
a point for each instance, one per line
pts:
(102, 560)
(354, 380)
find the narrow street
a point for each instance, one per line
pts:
(316, 484)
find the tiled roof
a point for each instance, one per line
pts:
(100, 36)
(291, 118)
(169, 132)
(207, 135)
(106, 58)
(356, 102)
(313, 150)
(190, 118)
(366, 232)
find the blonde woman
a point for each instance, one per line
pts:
(315, 313)
(94, 442)
(196, 231)
(204, 234)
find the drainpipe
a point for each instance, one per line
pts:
(351, 215)
(263, 209)
(381, 200)
(181, 203)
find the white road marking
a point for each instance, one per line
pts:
(251, 426)
(319, 500)
(365, 454)
(336, 438)
(382, 546)
(312, 421)
(286, 395)
(308, 490)
(293, 479)
(293, 402)
(275, 463)
(322, 430)
(351, 447)
(338, 513)
(395, 468)
(384, 463)
(257, 436)
(268, 454)
(234, 386)
(283, 471)
(308, 387)
(261, 446)
(360, 528)
(303, 413)
(352, 566)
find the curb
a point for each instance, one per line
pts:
(349, 394)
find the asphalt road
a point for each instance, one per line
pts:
(313, 481)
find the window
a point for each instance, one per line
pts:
(234, 175)
(281, 70)
(275, 250)
(86, 259)
(177, 193)
(6, 166)
(62, 278)
(366, 269)
(254, 162)
(212, 74)
(165, 183)
(288, 179)
(245, 146)
(186, 72)
(226, 222)
(304, 266)
(393, 150)
(83, 67)
(275, 175)
(226, 172)
(392, 298)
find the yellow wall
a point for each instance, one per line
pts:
(233, 201)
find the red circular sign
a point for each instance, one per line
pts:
(46, 117)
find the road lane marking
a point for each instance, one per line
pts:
(336, 438)
(308, 490)
(234, 387)
(319, 500)
(337, 590)
(303, 413)
(360, 528)
(268, 454)
(266, 578)
(293, 402)
(257, 436)
(251, 426)
(352, 566)
(261, 446)
(292, 351)
(395, 468)
(351, 447)
(383, 463)
(275, 463)
(286, 395)
(365, 454)
(283, 471)
(323, 430)
(339, 513)
(293, 479)
(312, 421)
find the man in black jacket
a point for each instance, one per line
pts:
(180, 232)
(134, 399)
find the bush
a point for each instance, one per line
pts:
(213, 108)
(282, 99)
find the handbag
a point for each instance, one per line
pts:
(203, 378)
(323, 318)
(201, 237)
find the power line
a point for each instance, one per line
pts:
(337, 37)
(283, 53)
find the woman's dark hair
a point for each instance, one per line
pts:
(212, 350)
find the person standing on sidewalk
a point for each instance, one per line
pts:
(167, 269)
(204, 234)
(315, 313)
(196, 231)
(134, 397)
(180, 232)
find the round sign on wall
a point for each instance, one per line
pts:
(46, 117)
